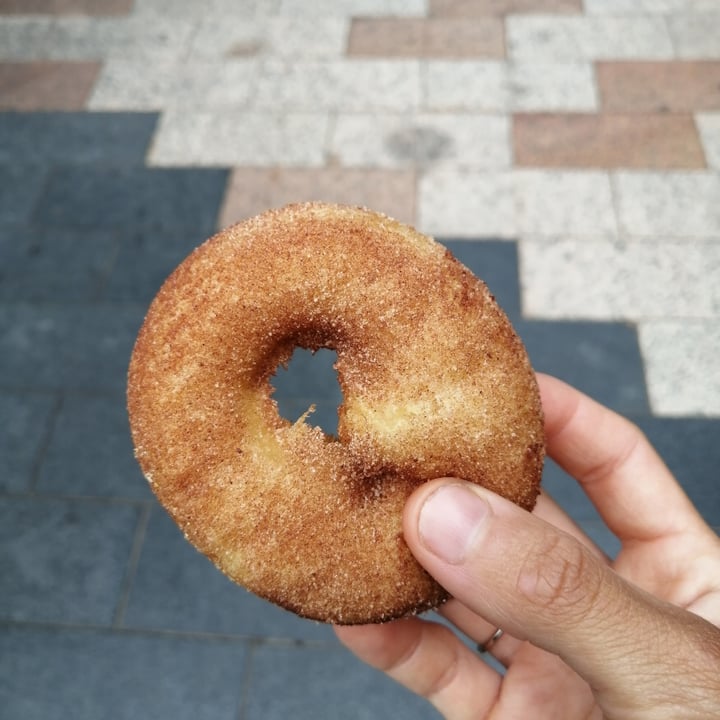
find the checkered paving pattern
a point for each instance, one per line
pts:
(567, 151)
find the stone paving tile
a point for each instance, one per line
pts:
(354, 8)
(90, 453)
(177, 588)
(671, 204)
(132, 198)
(89, 345)
(567, 203)
(681, 366)
(541, 38)
(30, 139)
(43, 263)
(630, 281)
(478, 85)
(552, 86)
(709, 128)
(467, 203)
(481, 8)
(145, 259)
(51, 674)
(696, 35)
(66, 7)
(638, 7)
(672, 86)
(602, 359)
(63, 561)
(310, 682)
(21, 186)
(253, 190)
(226, 138)
(25, 420)
(427, 37)
(132, 85)
(607, 141)
(46, 85)
(425, 140)
(350, 85)
(292, 37)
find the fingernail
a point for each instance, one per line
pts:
(450, 520)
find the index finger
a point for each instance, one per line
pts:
(634, 492)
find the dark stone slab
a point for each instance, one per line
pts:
(691, 449)
(20, 186)
(63, 561)
(90, 452)
(72, 347)
(177, 588)
(146, 258)
(130, 199)
(79, 138)
(566, 491)
(24, 420)
(306, 683)
(48, 674)
(54, 264)
(496, 263)
(601, 359)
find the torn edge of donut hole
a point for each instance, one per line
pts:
(305, 389)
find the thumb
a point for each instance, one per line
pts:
(542, 585)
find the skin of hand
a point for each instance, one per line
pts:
(585, 637)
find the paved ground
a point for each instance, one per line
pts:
(568, 152)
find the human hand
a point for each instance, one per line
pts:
(583, 637)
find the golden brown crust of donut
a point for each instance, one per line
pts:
(435, 383)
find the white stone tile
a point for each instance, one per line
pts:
(670, 204)
(426, 140)
(681, 366)
(696, 35)
(355, 8)
(709, 128)
(466, 203)
(353, 85)
(552, 38)
(23, 38)
(135, 85)
(575, 202)
(480, 85)
(226, 138)
(600, 279)
(635, 7)
(218, 37)
(565, 87)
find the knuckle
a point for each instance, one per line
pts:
(559, 575)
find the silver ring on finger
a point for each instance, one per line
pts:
(487, 646)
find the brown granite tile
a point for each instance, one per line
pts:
(46, 85)
(475, 8)
(252, 190)
(66, 7)
(659, 86)
(606, 141)
(428, 38)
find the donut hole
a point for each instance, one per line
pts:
(308, 380)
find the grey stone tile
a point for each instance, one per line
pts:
(495, 262)
(71, 347)
(79, 138)
(48, 674)
(478, 85)
(63, 561)
(177, 588)
(25, 420)
(21, 185)
(54, 264)
(147, 257)
(696, 35)
(565, 87)
(601, 359)
(305, 682)
(90, 452)
(132, 198)
(690, 449)
(567, 492)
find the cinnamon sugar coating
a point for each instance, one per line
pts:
(435, 383)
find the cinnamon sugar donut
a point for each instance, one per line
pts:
(435, 383)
